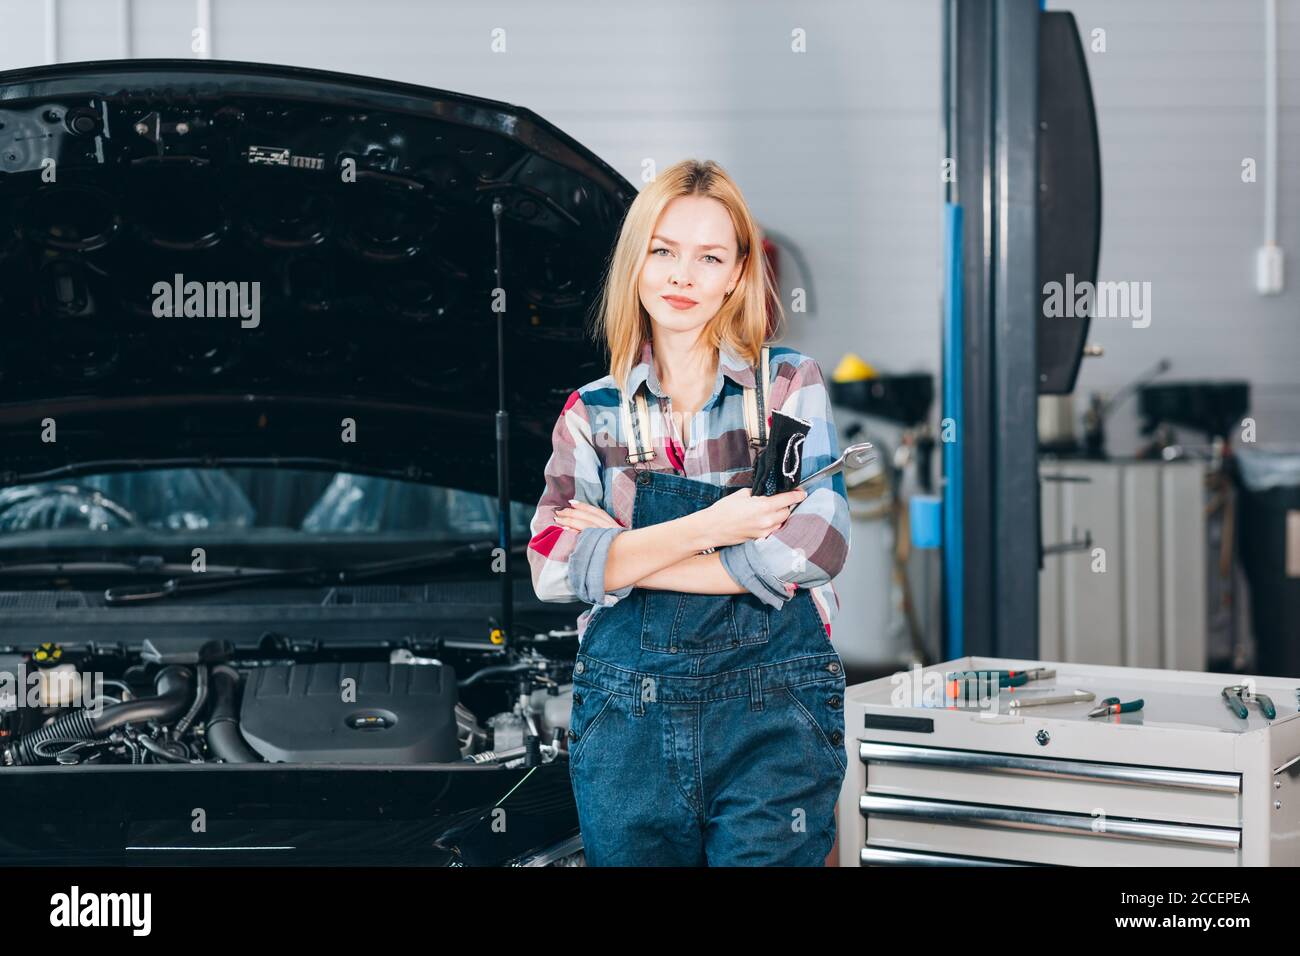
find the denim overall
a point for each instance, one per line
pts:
(706, 730)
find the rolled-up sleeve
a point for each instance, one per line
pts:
(570, 565)
(811, 547)
(587, 566)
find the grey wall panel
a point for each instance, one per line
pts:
(88, 30)
(1140, 558)
(22, 39)
(1183, 538)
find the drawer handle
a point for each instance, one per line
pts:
(881, 857)
(1054, 769)
(1007, 818)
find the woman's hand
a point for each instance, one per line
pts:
(583, 515)
(740, 516)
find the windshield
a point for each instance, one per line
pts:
(246, 503)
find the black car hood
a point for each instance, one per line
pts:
(362, 208)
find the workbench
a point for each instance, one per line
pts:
(1181, 782)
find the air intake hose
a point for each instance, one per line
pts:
(174, 685)
(225, 739)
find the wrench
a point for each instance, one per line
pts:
(855, 456)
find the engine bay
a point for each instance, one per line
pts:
(272, 701)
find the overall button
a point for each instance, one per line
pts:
(577, 698)
(573, 735)
(833, 667)
(834, 700)
(836, 737)
(579, 667)
(643, 477)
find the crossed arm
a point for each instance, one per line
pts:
(696, 574)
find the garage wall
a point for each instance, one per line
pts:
(836, 148)
(1179, 94)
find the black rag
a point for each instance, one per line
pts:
(779, 465)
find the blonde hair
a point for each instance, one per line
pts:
(742, 321)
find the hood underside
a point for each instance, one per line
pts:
(203, 261)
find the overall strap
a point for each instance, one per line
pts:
(637, 429)
(756, 404)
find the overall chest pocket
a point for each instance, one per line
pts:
(677, 623)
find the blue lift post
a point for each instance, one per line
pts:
(950, 428)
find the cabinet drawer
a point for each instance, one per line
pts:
(1090, 788)
(1039, 836)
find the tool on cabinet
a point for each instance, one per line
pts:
(1113, 705)
(1238, 696)
(1073, 697)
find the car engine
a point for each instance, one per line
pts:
(164, 705)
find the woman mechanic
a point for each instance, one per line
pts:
(707, 724)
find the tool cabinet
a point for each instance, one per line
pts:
(1181, 782)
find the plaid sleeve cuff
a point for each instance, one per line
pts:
(586, 571)
(742, 562)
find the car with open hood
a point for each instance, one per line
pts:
(282, 351)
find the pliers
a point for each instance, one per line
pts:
(1113, 705)
(1239, 695)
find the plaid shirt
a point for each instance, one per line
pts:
(589, 464)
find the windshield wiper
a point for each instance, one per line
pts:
(196, 583)
(53, 567)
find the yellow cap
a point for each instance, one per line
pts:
(47, 652)
(852, 369)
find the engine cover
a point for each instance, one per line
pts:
(305, 713)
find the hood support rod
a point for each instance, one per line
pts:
(503, 446)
